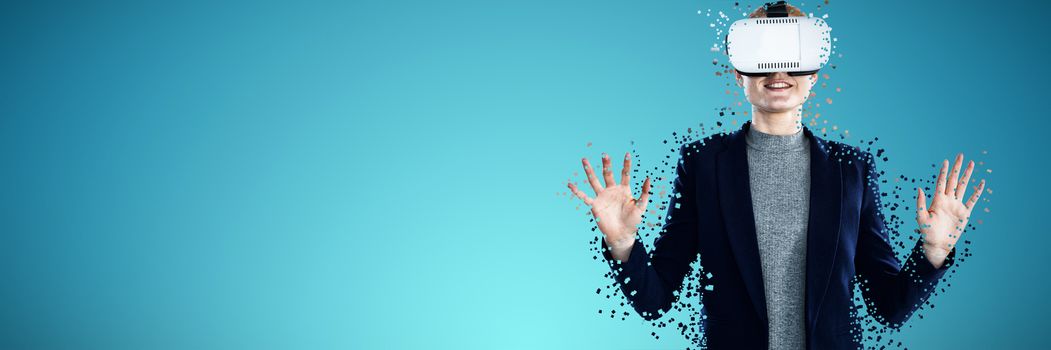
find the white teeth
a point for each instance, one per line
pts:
(778, 85)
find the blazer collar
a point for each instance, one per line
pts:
(822, 227)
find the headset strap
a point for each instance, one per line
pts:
(777, 9)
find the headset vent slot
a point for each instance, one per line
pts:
(777, 20)
(778, 65)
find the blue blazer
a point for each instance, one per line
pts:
(710, 213)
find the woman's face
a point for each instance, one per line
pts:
(778, 92)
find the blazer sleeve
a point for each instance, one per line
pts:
(891, 292)
(649, 282)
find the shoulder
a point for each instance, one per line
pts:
(850, 155)
(705, 148)
(858, 164)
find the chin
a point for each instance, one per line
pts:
(780, 107)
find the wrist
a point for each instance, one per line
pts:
(936, 249)
(936, 254)
(620, 248)
(621, 244)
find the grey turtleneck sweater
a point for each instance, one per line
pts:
(779, 175)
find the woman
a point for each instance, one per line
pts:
(783, 220)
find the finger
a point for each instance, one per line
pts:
(580, 194)
(645, 198)
(625, 179)
(921, 201)
(950, 185)
(940, 188)
(961, 187)
(607, 172)
(592, 179)
(974, 196)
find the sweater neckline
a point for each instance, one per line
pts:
(775, 143)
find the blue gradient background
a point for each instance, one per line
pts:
(374, 175)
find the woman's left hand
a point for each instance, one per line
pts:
(942, 224)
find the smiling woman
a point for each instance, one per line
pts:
(788, 219)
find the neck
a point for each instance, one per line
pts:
(778, 123)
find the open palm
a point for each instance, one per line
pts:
(618, 213)
(944, 221)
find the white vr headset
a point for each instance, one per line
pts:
(778, 43)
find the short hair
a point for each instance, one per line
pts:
(792, 12)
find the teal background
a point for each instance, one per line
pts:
(387, 174)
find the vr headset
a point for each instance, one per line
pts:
(778, 43)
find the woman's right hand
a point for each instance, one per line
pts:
(618, 213)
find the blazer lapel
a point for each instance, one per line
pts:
(823, 224)
(735, 198)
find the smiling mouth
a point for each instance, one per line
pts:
(778, 86)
